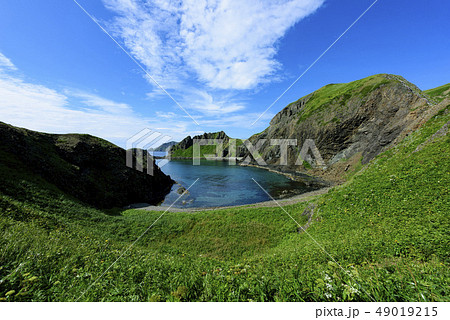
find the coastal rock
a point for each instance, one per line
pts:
(90, 169)
(184, 149)
(181, 190)
(357, 119)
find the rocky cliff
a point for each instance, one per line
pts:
(88, 168)
(184, 149)
(350, 123)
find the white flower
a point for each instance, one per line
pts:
(351, 289)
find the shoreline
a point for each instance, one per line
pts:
(295, 176)
(308, 180)
(264, 204)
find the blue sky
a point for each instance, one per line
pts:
(224, 62)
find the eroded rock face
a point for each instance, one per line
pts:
(88, 168)
(358, 118)
(188, 142)
(183, 144)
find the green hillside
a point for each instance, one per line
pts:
(208, 149)
(387, 227)
(334, 96)
(340, 92)
(189, 152)
(439, 93)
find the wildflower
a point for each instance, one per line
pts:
(351, 289)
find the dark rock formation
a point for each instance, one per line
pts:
(184, 148)
(91, 169)
(184, 144)
(360, 118)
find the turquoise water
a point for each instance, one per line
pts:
(221, 184)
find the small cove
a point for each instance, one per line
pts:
(221, 184)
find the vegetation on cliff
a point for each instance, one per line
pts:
(439, 93)
(185, 148)
(350, 123)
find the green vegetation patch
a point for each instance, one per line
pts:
(204, 150)
(439, 93)
(341, 94)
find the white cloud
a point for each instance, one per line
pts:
(210, 106)
(40, 108)
(149, 33)
(225, 44)
(95, 101)
(37, 107)
(235, 121)
(166, 115)
(231, 44)
(6, 63)
(203, 51)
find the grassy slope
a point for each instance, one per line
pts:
(341, 93)
(439, 93)
(388, 226)
(333, 97)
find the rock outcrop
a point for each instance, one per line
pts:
(349, 123)
(184, 149)
(89, 168)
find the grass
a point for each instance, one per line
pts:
(205, 149)
(189, 152)
(340, 94)
(388, 227)
(439, 93)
